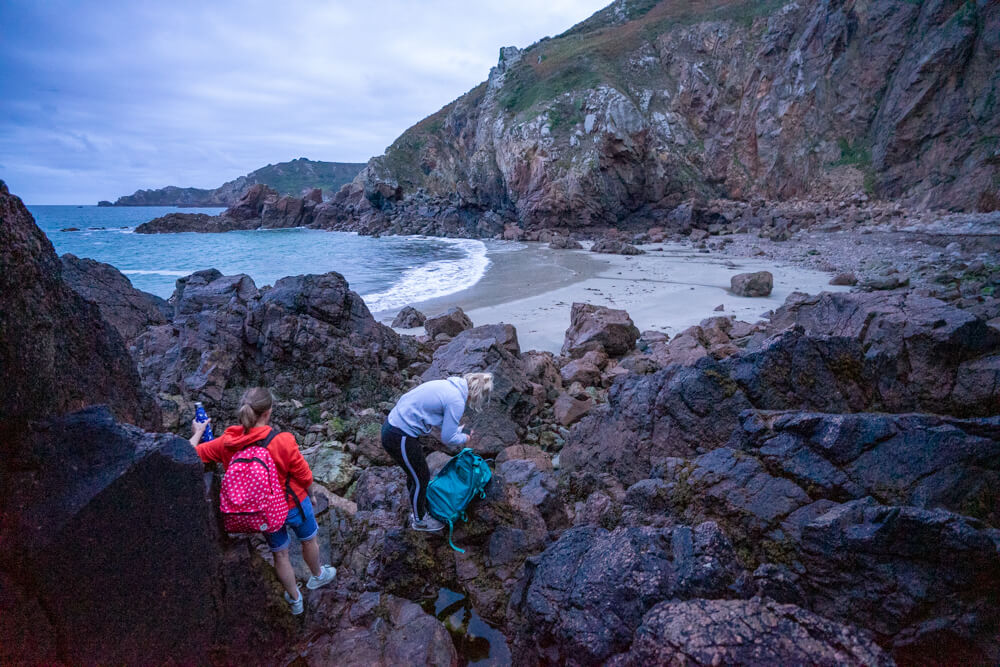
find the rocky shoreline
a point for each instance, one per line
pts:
(819, 486)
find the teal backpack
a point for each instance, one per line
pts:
(461, 479)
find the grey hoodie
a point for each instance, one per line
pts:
(435, 403)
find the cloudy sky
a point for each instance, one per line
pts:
(102, 98)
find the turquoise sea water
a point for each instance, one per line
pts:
(389, 272)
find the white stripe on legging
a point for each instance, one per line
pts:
(416, 487)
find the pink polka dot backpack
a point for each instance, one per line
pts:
(252, 499)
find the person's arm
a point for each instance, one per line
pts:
(451, 432)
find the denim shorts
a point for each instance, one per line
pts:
(305, 527)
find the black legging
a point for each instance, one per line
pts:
(408, 453)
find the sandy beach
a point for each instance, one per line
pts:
(668, 289)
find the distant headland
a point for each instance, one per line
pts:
(287, 178)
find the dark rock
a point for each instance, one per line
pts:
(925, 461)
(568, 410)
(540, 368)
(491, 348)
(613, 247)
(745, 632)
(57, 353)
(83, 493)
(599, 328)
(451, 323)
(193, 222)
(582, 371)
(923, 581)
(584, 596)
(565, 243)
(385, 630)
(309, 338)
(945, 359)
(127, 309)
(409, 318)
(258, 207)
(752, 284)
(847, 278)
(933, 358)
(881, 283)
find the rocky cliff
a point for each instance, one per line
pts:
(287, 178)
(57, 354)
(110, 551)
(647, 104)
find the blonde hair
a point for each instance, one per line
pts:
(255, 402)
(480, 389)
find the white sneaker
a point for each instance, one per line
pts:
(295, 606)
(326, 575)
(428, 524)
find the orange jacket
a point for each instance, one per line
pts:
(285, 452)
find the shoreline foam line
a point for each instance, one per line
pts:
(435, 279)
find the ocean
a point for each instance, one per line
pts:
(388, 272)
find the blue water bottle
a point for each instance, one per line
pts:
(201, 416)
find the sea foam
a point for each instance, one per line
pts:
(435, 279)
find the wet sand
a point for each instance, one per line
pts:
(668, 289)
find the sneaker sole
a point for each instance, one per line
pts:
(427, 530)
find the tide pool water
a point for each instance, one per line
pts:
(389, 272)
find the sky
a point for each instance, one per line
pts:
(99, 99)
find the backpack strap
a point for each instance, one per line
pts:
(288, 480)
(261, 443)
(451, 528)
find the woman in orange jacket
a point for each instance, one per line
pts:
(254, 416)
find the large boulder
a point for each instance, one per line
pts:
(923, 581)
(582, 599)
(310, 338)
(409, 318)
(565, 243)
(946, 359)
(926, 461)
(922, 364)
(759, 283)
(57, 353)
(385, 630)
(85, 494)
(492, 348)
(746, 632)
(568, 410)
(248, 208)
(451, 323)
(614, 247)
(599, 328)
(127, 309)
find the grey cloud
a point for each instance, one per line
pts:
(106, 98)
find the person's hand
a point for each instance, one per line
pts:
(198, 429)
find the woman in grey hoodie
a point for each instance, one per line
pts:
(435, 403)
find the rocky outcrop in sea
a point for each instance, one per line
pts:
(260, 207)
